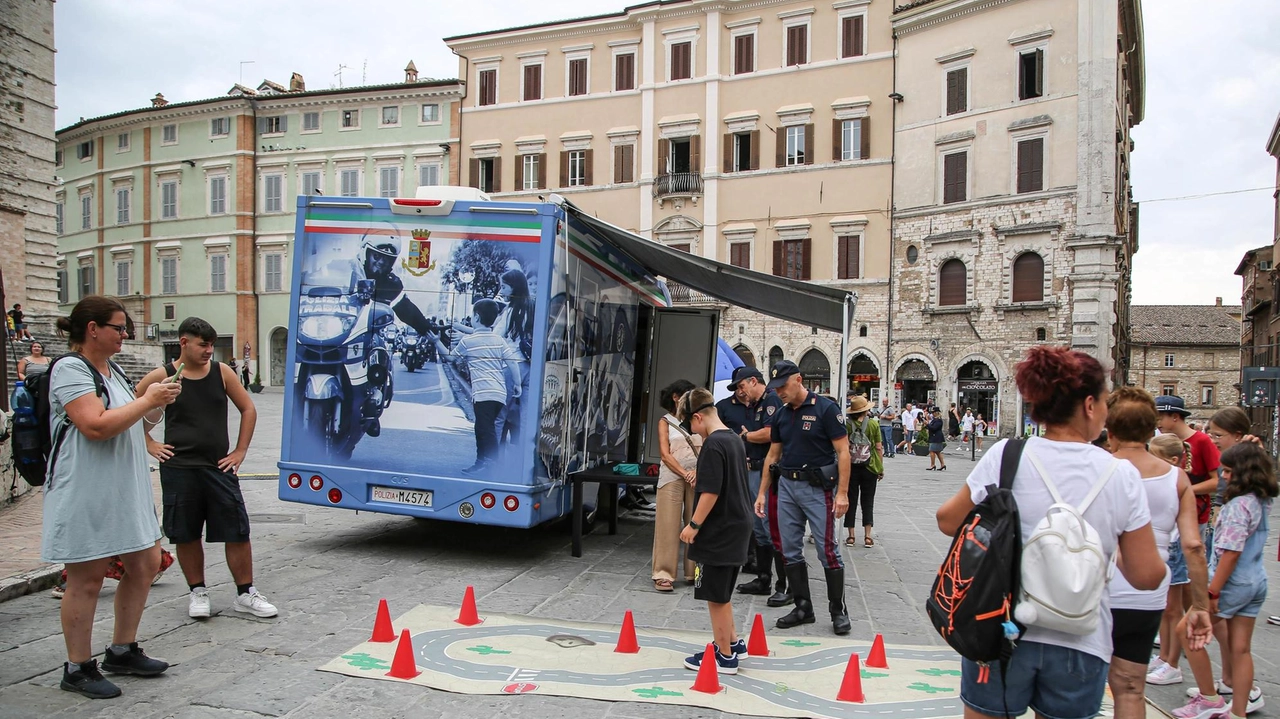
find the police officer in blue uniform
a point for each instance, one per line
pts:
(809, 458)
(753, 410)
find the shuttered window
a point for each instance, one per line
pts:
(488, 87)
(951, 283)
(791, 258)
(848, 251)
(851, 139)
(532, 82)
(797, 45)
(740, 254)
(955, 174)
(681, 61)
(624, 77)
(744, 54)
(624, 159)
(851, 43)
(1028, 278)
(1031, 165)
(1031, 74)
(957, 90)
(578, 76)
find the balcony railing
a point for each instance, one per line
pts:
(677, 184)
(685, 295)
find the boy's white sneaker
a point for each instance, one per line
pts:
(198, 603)
(251, 602)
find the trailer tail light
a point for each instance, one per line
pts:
(487, 500)
(416, 203)
(317, 482)
(335, 495)
(295, 481)
(511, 504)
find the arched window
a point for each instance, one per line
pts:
(1040, 334)
(744, 353)
(775, 355)
(1028, 278)
(862, 331)
(951, 283)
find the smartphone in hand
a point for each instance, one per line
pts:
(177, 374)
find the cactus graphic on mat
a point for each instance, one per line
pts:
(798, 643)
(655, 692)
(486, 650)
(365, 662)
(872, 675)
(923, 687)
(940, 672)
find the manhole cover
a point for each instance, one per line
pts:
(278, 518)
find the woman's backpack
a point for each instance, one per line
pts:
(973, 599)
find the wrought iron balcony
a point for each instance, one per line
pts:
(677, 186)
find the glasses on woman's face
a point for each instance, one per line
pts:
(118, 328)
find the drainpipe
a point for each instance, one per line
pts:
(893, 172)
(253, 250)
(461, 104)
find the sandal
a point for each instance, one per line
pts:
(850, 542)
(1273, 619)
(868, 542)
(664, 585)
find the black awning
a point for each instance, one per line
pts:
(786, 299)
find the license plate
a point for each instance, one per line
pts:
(415, 497)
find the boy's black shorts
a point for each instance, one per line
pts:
(197, 498)
(714, 583)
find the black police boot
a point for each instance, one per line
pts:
(835, 601)
(751, 566)
(762, 585)
(798, 578)
(781, 597)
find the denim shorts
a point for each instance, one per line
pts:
(1242, 599)
(1177, 565)
(1053, 681)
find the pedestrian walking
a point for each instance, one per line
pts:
(97, 498)
(1061, 675)
(910, 417)
(866, 469)
(198, 468)
(677, 474)
(937, 442)
(967, 423)
(953, 421)
(1137, 615)
(810, 446)
(1238, 583)
(720, 529)
(755, 427)
(885, 417)
(980, 430)
(244, 375)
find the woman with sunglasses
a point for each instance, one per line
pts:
(98, 498)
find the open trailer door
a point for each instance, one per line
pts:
(683, 346)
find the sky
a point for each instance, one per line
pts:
(1213, 94)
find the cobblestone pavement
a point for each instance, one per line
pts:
(326, 570)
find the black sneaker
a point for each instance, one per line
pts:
(88, 681)
(135, 661)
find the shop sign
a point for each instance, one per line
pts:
(978, 385)
(866, 378)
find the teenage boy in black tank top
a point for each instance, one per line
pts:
(198, 469)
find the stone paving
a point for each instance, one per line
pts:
(326, 570)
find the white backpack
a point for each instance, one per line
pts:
(1064, 566)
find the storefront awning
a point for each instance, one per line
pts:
(791, 300)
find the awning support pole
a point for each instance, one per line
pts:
(843, 373)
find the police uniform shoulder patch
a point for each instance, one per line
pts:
(770, 410)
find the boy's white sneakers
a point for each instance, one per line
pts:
(198, 604)
(251, 602)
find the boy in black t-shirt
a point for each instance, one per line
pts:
(720, 530)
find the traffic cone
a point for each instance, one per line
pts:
(627, 643)
(876, 658)
(851, 687)
(382, 631)
(757, 645)
(708, 681)
(403, 666)
(468, 616)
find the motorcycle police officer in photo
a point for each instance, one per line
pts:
(809, 459)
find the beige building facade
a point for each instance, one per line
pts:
(938, 158)
(757, 133)
(1191, 351)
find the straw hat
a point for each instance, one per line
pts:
(858, 405)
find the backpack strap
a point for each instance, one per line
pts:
(1097, 486)
(1044, 477)
(1010, 460)
(1093, 492)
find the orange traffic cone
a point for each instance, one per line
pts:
(876, 658)
(627, 643)
(757, 645)
(403, 666)
(851, 687)
(468, 616)
(382, 631)
(708, 680)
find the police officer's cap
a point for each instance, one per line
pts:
(782, 372)
(741, 373)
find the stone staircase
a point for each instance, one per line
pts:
(137, 359)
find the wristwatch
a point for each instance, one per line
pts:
(694, 525)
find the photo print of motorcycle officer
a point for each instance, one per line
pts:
(412, 348)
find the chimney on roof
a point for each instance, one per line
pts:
(159, 101)
(411, 72)
(296, 83)
(1219, 301)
